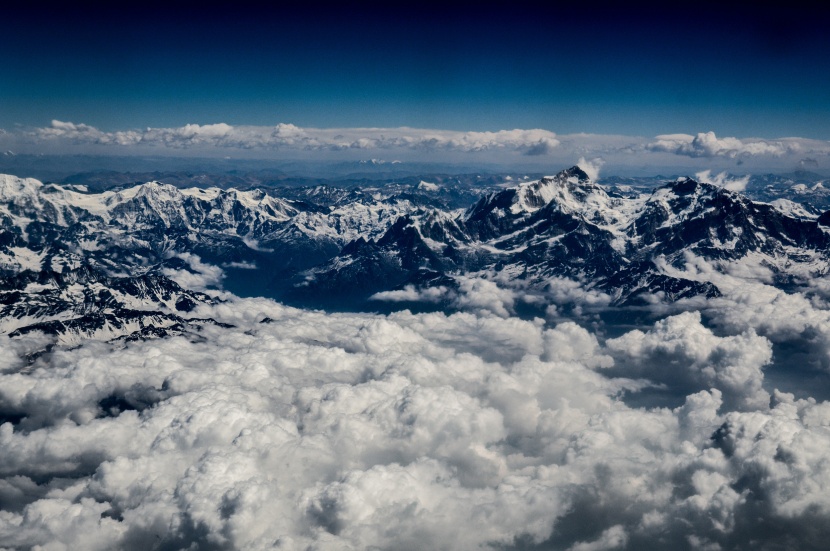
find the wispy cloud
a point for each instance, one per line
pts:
(723, 180)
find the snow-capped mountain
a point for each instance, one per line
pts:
(134, 261)
(567, 226)
(67, 255)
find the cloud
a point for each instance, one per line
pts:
(543, 147)
(723, 180)
(473, 294)
(482, 295)
(83, 133)
(412, 294)
(613, 538)
(240, 265)
(295, 429)
(562, 291)
(680, 352)
(707, 144)
(591, 168)
(195, 274)
(750, 302)
(526, 148)
(797, 322)
(289, 136)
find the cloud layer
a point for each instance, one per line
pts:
(705, 150)
(292, 429)
(289, 136)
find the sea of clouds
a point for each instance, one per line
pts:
(281, 428)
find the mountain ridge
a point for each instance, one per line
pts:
(66, 253)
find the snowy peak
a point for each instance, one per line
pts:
(146, 206)
(12, 187)
(571, 191)
(569, 197)
(567, 187)
(795, 210)
(720, 224)
(568, 226)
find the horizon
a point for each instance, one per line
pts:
(706, 89)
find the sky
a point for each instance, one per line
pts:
(584, 69)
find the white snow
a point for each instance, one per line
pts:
(22, 258)
(793, 209)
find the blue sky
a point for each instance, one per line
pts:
(591, 68)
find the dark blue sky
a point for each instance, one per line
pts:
(591, 68)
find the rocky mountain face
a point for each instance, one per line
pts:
(567, 226)
(136, 262)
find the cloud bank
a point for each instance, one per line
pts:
(531, 147)
(529, 142)
(293, 429)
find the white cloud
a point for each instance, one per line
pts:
(567, 291)
(289, 136)
(525, 148)
(723, 180)
(483, 295)
(751, 302)
(800, 321)
(680, 352)
(198, 275)
(613, 538)
(707, 144)
(83, 133)
(410, 293)
(475, 294)
(402, 431)
(591, 168)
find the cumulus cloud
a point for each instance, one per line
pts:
(707, 144)
(488, 292)
(83, 133)
(680, 352)
(751, 302)
(295, 429)
(797, 321)
(560, 291)
(289, 136)
(483, 295)
(613, 538)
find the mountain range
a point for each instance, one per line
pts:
(136, 261)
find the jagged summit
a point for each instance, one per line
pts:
(568, 226)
